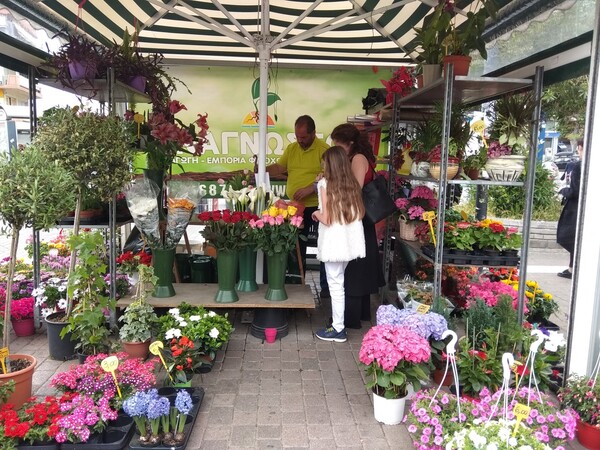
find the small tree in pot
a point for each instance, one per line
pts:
(139, 319)
(36, 192)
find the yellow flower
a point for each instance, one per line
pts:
(284, 213)
(538, 291)
(273, 211)
(548, 296)
(532, 284)
(292, 210)
(529, 294)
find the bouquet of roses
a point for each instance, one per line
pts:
(277, 231)
(128, 262)
(226, 230)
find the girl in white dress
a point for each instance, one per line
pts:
(341, 237)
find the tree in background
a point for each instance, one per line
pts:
(565, 103)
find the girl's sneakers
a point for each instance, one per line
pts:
(331, 334)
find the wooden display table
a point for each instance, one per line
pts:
(201, 294)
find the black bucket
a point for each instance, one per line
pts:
(59, 349)
(202, 269)
(182, 260)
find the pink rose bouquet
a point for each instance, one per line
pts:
(395, 357)
(277, 230)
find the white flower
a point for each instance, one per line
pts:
(212, 314)
(182, 323)
(45, 312)
(512, 441)
(214, 333)
(62, 288)
(37, 292)
(173, 333)
(491, 446)
(555, 340)
(54, 280)
(62, 303)
(194, 318)
(525, 447)
(478, 440)
(174, 312)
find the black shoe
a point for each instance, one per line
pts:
(565, 274)
(324, 294)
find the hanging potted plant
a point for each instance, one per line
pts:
(79, 59)
(34, 191)
(139, 318)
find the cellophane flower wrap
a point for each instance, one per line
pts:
(226, 230)
(141, 200)
(420, 199)
(277, 230)
(432, 423)
(395, 357)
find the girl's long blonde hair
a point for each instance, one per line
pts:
(344, 195)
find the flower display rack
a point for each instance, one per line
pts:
(472, 258)
(197, 397)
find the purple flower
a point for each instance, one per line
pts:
(158, 407)
(183, 402)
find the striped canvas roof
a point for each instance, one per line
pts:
(322, 32)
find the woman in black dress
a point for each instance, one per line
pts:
(567, 223)
(363, 276)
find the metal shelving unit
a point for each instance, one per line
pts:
(470, 91)
(107, 91)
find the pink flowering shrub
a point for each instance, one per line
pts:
(490, 292)
(419, 200)
(395, 357)
(432, 422)
(21, 309)
(82, 416)
(91, 380)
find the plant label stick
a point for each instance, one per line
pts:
(110, 364)
(521, 412)
(429, 216)
(155, 349)
(3, 355)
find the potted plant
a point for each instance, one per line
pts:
(428, 42)
(473, 163)
(395, 358)
(139, 318)
(34, 191)
(87, 323)
(208, 330)
(96, 150)
(582, 394)
(22, 316)
(541, 305)
(420, 199)
(79, 59)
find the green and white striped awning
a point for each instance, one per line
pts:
(322, 32)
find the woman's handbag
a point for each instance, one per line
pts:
(377, 200)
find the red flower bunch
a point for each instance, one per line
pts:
(226, 230)
(401, 83)
(129, 261)
(183, 356)
(35, 421)
(22, 309)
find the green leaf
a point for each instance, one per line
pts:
(255, 89)
(272, 97)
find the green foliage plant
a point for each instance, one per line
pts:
(459, 236)
(139, 319)
(35, 191)
(476, 160)
(96, 149)
(436, 27)
(87, 323)
(468, 36)
(512, 118)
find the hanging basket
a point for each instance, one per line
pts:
(406, 229)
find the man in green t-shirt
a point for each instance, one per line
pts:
(301, 160)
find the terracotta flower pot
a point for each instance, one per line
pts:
(23, 380)
(461, 64)
(137, 349)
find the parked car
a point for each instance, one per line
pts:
(561, 159)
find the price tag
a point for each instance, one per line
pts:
(139, 119)
(3, 354)
(110, 364)
(155, 349)
(521, 412)
(428, 216)
(423, 309)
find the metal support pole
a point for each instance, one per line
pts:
(264, 56)
(530, 186)
(481, 202)
(442, 183)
